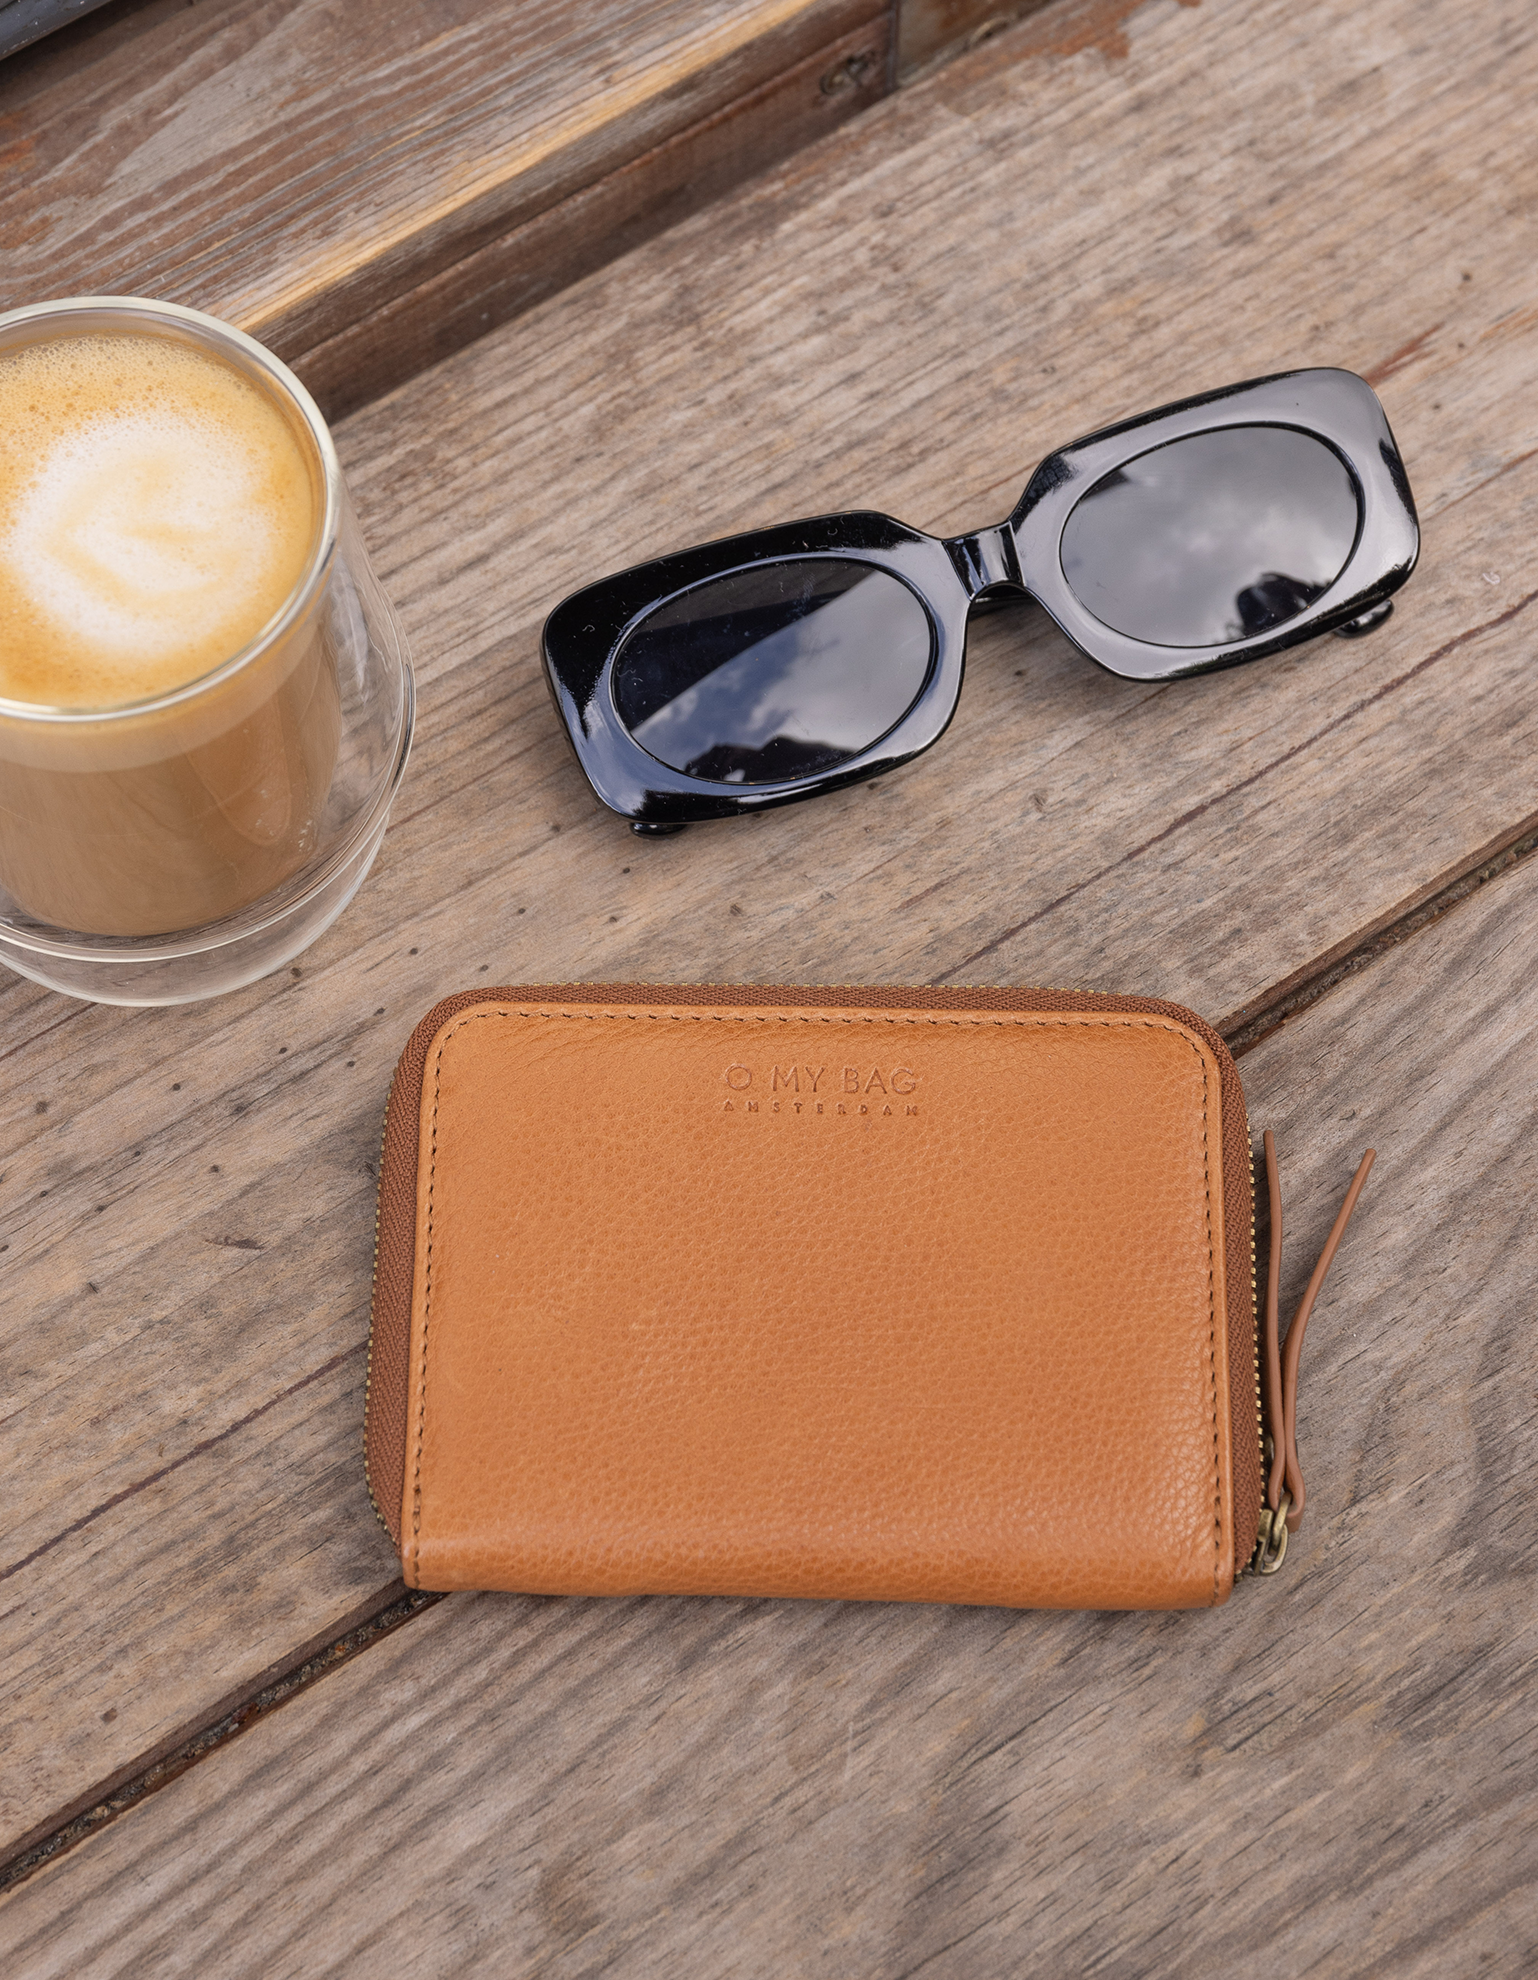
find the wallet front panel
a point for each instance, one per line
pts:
(916, 1304)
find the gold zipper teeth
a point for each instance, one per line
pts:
(373, 1287)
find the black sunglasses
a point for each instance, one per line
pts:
(777, 665)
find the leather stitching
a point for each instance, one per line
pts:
(1068, 1021)
(427, 1300)
(1212, 1356)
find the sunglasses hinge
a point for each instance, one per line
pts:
(985, 558)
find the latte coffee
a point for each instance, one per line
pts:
(155, 512)
(161, 513)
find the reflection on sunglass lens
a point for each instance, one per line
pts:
(1212, 539)
(775, 672)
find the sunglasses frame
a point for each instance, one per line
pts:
(583, 636)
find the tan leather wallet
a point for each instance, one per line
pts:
(924, 1295)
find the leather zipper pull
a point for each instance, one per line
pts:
(1285, 1496)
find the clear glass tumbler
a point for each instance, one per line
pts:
(179, 846)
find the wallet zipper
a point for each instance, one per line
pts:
(1262, 1549)
(1262, 1537)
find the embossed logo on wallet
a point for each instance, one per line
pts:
(878, 1090)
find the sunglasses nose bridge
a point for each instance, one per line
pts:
(985, 557)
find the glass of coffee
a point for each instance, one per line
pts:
(205, 698)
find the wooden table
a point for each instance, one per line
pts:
(231, 1745)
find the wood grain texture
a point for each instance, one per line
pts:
(597, 222)
(365, 202)
(1339, 1765)
(1041, 238)
(931, 31)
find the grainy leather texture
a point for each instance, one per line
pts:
(899, 1298)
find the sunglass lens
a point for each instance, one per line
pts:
(774, 672)
(1214, 538)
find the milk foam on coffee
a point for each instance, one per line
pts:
(156, 511)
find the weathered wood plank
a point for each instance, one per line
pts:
(1339, 1764)
(599, 221)
(842, 333)
(930, 31)
(367, 202)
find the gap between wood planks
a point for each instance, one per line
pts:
(394, 1605)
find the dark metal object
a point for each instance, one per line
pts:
(777, 665)
(26, 21)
